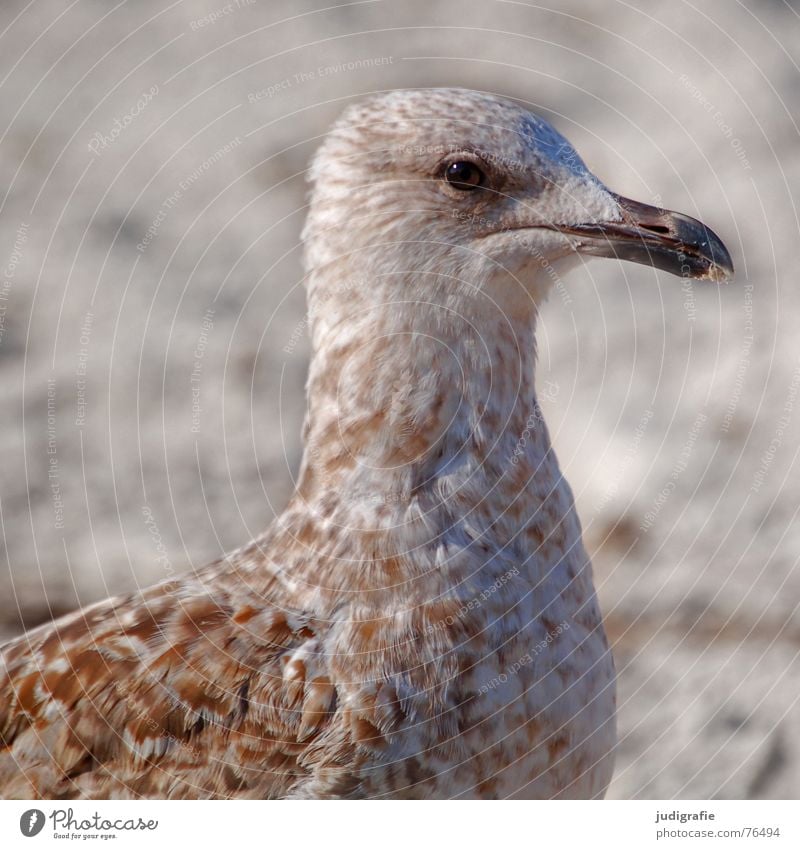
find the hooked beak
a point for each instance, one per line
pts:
(664, 239)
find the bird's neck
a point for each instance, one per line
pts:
(425, 445)
(415, 404)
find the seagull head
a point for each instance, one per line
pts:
(475, 190)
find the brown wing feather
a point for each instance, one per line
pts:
(173, 693)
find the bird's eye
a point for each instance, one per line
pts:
(464, 175)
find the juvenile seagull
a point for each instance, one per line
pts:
(421, 620)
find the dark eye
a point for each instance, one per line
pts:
(464, 175)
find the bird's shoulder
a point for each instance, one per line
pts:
(195, 687)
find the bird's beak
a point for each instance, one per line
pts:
(668, 240)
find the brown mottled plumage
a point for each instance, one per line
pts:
(421, 620)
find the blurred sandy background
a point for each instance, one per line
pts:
(151, 175)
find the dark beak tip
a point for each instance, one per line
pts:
(722, 271)
(716, 265)
(717, 274)
(712, 260)
(697, 252)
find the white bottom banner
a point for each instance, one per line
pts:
(413, 825)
